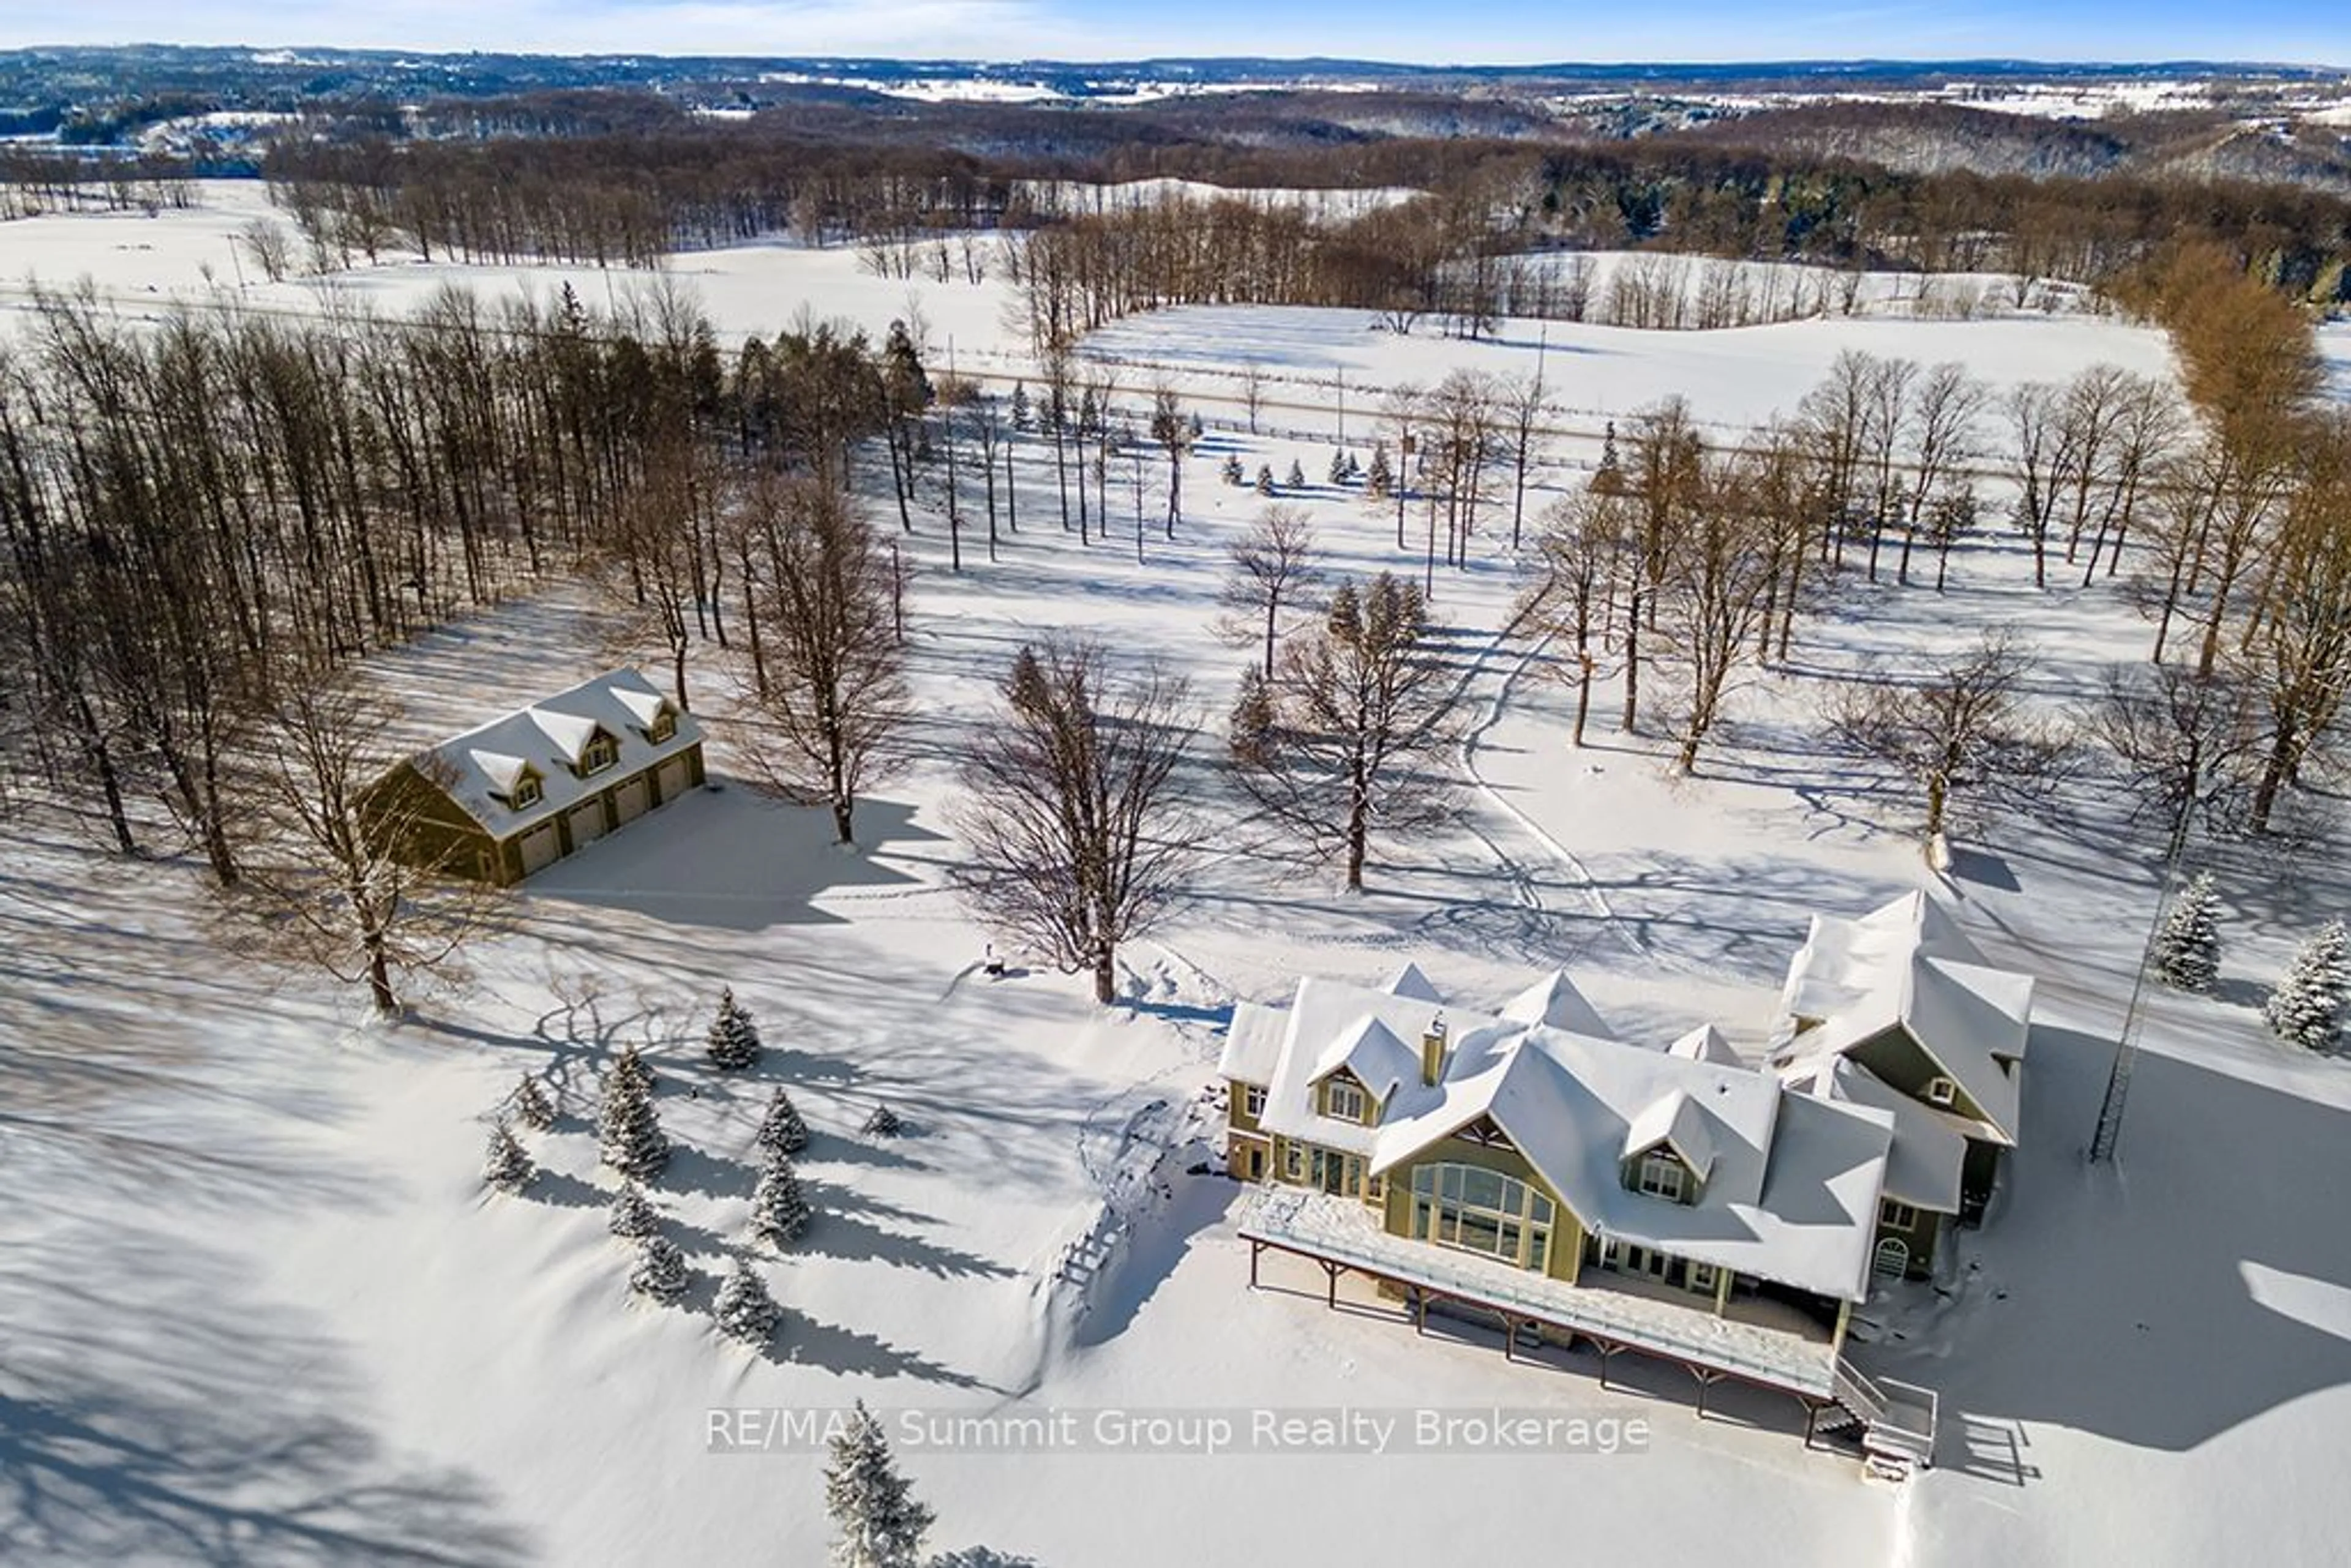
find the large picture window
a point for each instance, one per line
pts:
(1479, 1210)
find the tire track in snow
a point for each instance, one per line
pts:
(1522, 880)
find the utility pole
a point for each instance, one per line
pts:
(2109, 1130)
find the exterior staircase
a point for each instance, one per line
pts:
(1894, 1421)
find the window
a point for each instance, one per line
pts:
(1253, 1101)
(1662, 1176)
(1702, 1277)
(664, 726)
(1479, 1210)
(526, 792)
(1941, 1091)
(1376, 1189)
(1336, 1173)
(1897, 1216)
(1293, 1161)
(1343, 1100)
(598, 754)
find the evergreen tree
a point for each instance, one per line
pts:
(1198, 429)
(631, 1215)
(1265, 479)
(744, 1309)
(779, 1210)
(1381, 478)
(1021, 410)
(871, 1504)
(1338, 465)
(1297, 480)
(734, 1041)
(507, 1166)
(1233, 474)
(2187, 948)
(531, 1106)
(1355, 469)
(781, 1130)
(2306, 1008)
(660, 1272)
(883, 1122)
(628, 1131)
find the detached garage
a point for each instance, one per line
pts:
(519, 793)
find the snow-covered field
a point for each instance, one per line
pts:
(257, 1309)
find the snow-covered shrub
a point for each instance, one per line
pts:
(507, 1166)
(628, 1132)
(744, 1309)
(2306, 1008)
(532, 1108)
(733, 1042)
(631, 1215)
(2188, 947)
(661, 1273)
(871, 1506)
(781, 1130)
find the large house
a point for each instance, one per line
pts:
(1898, 1010)
(520, 792)
(1665, 1197)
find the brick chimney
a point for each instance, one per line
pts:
(1432, 1051)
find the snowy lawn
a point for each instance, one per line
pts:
(260, 1308)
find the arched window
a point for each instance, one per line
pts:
(1480, 1210)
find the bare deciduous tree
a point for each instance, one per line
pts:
(1955, 732)
(1081, 831)
(835, 688)
(1579, 551)
(2180, 741)
(1271, 564)
(1349, 736)
(340, 869)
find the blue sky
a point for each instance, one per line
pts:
(1500, 31)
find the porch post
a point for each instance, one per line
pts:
(1721, 1291)
(1331, 1272)
(1509, 1337)
(1844, 1317)
(1256, 1247)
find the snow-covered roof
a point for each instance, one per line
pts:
(1908, 965)
(1252, 1043)
(1554, 1001)
(1409, 981)
(1673, 1121)
(1373, 1055)
(1706, 1043)
(1790, 1200)
(1930, 1147)
(481, 767)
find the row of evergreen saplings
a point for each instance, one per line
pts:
(2307, 1005)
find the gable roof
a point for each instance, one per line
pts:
(1706, 1043)
(1790, 1200)
(1373, 1053)
(479, 769)
(1554, 1001)
(1673, 1121)
(1410, 982)
(1930, 1147)
(1907, 964)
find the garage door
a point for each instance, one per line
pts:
(632, 797)
(587, 824)
(540, 847)
(672, 778)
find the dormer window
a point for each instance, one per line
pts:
(1662, 1176)
(526, 792)
(1344, 1101)
(598, 754)
(1942, 1091)
(664, 726)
